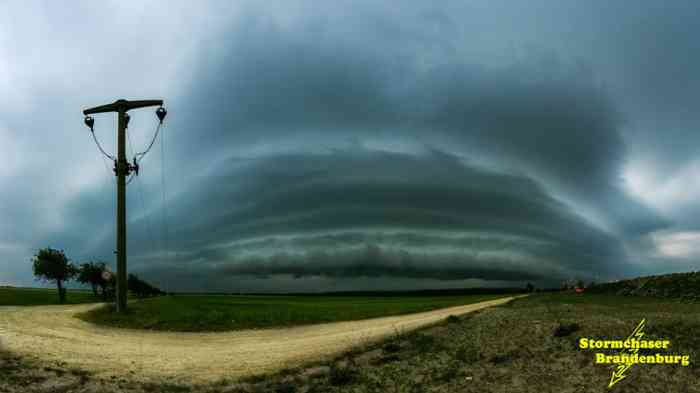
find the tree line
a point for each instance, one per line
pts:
(52, 265)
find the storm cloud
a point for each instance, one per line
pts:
(360, 145)
(369, 213)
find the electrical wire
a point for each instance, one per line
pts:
(110, 173)
(131, 147)
(109, 180)
(131, 177)
(140, 192)
(140, 155)
(162, 182)
(146, 217)
(137, 157)
(111, 157)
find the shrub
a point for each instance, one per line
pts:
(342, 374)
(467, 354)
(565, 329)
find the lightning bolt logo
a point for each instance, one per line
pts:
(619, 373)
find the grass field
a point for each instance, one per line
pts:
(221, 313)
(43, 296)
(513, 348)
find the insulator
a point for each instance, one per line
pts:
(126, 120)
(89, 121)
(161, 112)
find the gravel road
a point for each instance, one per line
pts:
(51, 333)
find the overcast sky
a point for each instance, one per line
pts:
(356, 144)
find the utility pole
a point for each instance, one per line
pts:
(122, 168)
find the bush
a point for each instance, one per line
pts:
(565, 329)
(467, 354)
(391, 347)
(452, 319)
(342, 374)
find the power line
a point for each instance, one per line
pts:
(131, 147)
(111, 157)
(137, 158)
(145, 216)
(141, 198)
(140, 155)
(162, 183)
(109, 172)
(110, 176)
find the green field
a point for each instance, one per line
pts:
(43, 296)
(221, 313)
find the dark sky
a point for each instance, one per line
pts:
(357, 145)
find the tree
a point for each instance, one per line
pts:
(564, 285)
(141, 288)
(91, 273)
(135, 285)
(53, 265)
(530, 288)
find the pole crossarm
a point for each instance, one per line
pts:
(122, 106)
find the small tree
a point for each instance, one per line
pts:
(91, 274)
(529, 288)
(53, 265)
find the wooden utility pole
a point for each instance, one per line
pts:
(121, 168)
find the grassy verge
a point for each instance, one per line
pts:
(43, 296)
(222, 313)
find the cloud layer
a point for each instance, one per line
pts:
(357, 145)
(369, 213)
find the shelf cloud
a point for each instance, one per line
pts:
(357, 145)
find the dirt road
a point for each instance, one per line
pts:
(51, 333)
